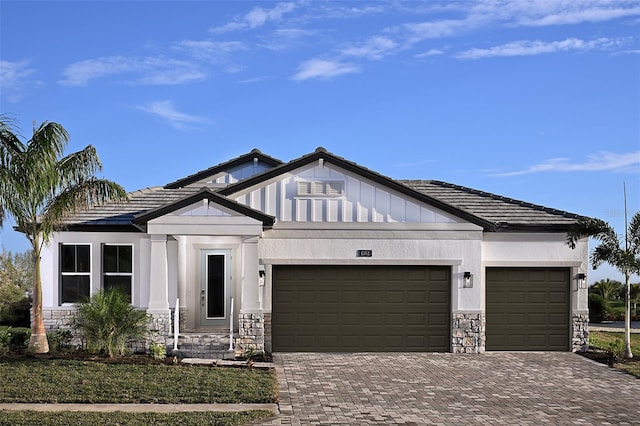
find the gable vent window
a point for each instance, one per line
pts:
(321, 188)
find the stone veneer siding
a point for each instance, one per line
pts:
(267, 332)
(580, 332)
(468, 333)
(250, 332)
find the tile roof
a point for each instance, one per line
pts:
(507, 213)
(493, 212)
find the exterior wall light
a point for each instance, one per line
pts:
(468, 280)
(261, 276)
(582, 280)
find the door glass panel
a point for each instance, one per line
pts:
(215, 286)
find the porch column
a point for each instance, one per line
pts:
(251, 317)
(159, 276)
(250, 278)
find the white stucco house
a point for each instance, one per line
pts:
(322, 254)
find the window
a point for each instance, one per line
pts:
(117, 268)
(75, 272)
(319, 188)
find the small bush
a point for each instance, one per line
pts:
(5, 340)
(157, 351)
(60, 340)
(598, 308)
(107, 321)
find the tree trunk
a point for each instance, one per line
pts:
(627, 318)
(38, 342)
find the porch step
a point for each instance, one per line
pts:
(204, 345)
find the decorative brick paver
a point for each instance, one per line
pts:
(418, 388)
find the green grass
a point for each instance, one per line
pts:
(604, 340)
(60, 380)
(130, 419)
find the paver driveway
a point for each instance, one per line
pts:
(418, 388)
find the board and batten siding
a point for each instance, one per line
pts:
(361, 201)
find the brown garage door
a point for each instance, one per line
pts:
(361, 308)
(528, 309)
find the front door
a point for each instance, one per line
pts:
(214, 287)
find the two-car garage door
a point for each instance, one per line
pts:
(370, 308)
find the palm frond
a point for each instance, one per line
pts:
(78, 166)
(590, 227)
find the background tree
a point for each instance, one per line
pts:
(16, 278)
(39, 187)
(624, 256)
(608, 289)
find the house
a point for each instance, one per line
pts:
(322, 254)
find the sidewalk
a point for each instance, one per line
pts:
(614, 326)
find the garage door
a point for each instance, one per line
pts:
(361, 308)
(528, 309)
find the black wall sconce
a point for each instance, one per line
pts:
(582, 280)
(468, 280)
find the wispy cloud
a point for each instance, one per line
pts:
(13, 78)
(256, 17)
(286, 38)
(574, 12)
(428, 53)
(146, 70)
(323, 69)
(600, 161)
(166, 111)
(538, 47)
(375, 48)
(209, 50)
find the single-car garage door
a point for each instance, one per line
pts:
(361, 308)
(528, 309)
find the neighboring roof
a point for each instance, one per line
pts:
(211, 171)
(204, 193)
(493, 212)
(507, 214)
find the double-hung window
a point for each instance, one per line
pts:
(75, 272)
(117, 269)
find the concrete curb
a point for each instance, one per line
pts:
(138, 408)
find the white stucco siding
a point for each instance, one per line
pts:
(336, 195)
(49, 265)
(459, 249)
(538, 250)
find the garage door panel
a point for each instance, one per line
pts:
(365, 308)
(527, 308)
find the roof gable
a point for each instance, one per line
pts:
(228, 172)
(393, 191)
(216, 205)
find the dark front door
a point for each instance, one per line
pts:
(214, 287)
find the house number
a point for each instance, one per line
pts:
(364, 253)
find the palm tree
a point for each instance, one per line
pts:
(607, 288)
(624, 256)
(39, 188)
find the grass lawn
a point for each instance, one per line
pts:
(33, 379)
(131, 419)
(604, 340)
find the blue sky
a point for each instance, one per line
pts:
(531, 99)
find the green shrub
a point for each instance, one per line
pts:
(107, 321)
(59, 340)
(5, 340)
(598, 308)
(157, 351)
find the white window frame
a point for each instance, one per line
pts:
(62, 274)
(116, 274)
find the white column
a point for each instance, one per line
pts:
(250, 288)
(159, 276)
